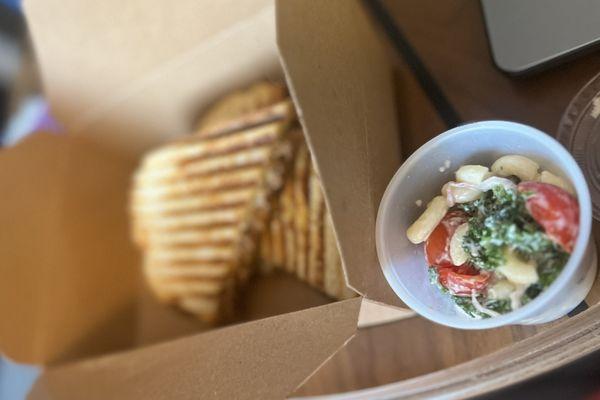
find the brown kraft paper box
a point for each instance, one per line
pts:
(123, 77)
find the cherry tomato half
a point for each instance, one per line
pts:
(437, 246)
(555, 210)
(462, 281)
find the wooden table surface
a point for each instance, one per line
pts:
(449, 37)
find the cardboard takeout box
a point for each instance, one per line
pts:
(123, 77)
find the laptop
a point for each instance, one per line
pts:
(528, 35)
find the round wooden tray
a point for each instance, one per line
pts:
(545, 348)
(417, 358)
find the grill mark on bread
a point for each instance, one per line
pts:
(199, 202)
(188, 147)
(203, 186)
(188, 258)
(260, 142)
(197, 227)
(222, 216)
(204, 265)
(215, 171)
(182, 245)
(277, 112)
(180, 255)
(258, 96)
(186, 211)
(163, 203)
(218, 236)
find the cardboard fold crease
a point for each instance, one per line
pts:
(347, 110)
(220, 364)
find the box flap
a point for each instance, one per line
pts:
(375, 314)
(63, 210)
(341, 80)
(264, 359)
(145, 68)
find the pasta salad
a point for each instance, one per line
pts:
(495, 238)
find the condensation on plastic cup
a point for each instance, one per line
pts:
(420, 178)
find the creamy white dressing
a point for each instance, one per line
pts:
(461, 192)
(490, 182)
(481, 308)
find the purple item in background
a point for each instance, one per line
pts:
(33, 115)
(46, 122)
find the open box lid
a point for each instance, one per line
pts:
(173, 61)
(136, 73)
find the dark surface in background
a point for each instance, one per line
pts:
(12, 28)
(11, 22)
(3, 106)
(579, 380)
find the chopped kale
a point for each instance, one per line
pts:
(434, 279)
(501, 306)
(499, 219)
(531, 293)
(466, 304)
(550, 263)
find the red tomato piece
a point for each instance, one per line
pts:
(466, 269)
(555, 210)
(463, 281)
(437, 246)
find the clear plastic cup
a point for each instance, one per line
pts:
(421, 177)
